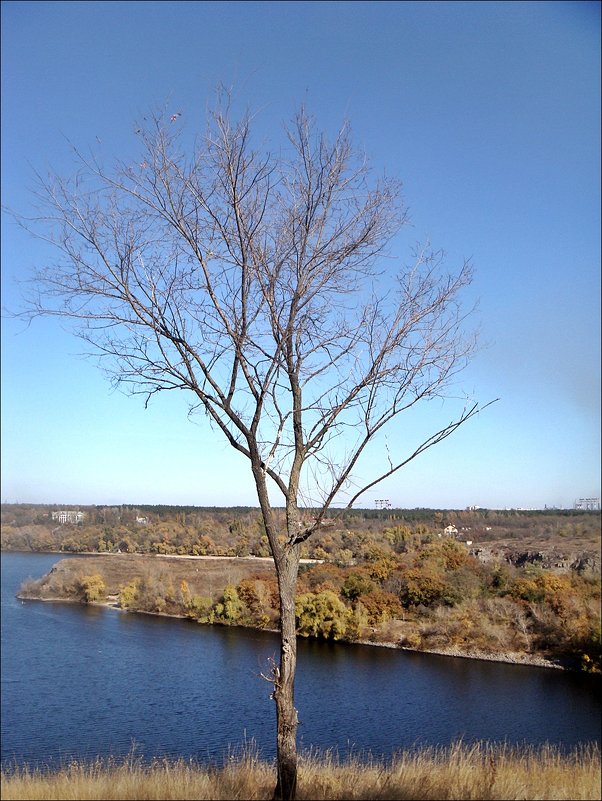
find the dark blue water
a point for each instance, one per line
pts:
(83, 681)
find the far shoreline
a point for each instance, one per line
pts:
(70, 554)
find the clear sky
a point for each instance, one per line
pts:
(490, 115)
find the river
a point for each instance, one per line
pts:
(81, 681)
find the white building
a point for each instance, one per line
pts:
(69, 516)
(382, 503)
(588, 504)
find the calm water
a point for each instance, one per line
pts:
(80, 682)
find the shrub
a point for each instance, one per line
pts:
(355, 585)
(229, 609)
(321, 614)
(93, 587)
(128, 593)
(357, 622)
(201, 609)
(380, 606)
(422, 586)
(255, 596)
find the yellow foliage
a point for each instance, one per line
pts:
(321, 614)
(128, 593)
(93, 587)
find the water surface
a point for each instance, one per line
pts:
(82, 681)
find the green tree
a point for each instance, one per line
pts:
(400, 538)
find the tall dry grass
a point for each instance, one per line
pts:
(461, 771)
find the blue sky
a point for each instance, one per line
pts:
(490, 115)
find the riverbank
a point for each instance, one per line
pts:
(529, 660)
(478, 771)
(502, 629)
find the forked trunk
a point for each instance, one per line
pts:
(284, 679)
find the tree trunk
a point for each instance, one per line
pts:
(286, 560)
(284, 678)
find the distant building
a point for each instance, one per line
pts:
(142, 521)
(589, 504)
(69, 516)
(382, 503)
(450, 531)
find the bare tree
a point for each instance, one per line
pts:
(250, 279)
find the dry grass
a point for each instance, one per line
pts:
(480, 772)
(206, 576)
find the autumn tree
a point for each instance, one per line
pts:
(261, 283)
(93, 587)
(321, 614)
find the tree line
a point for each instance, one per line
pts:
(239, 531)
